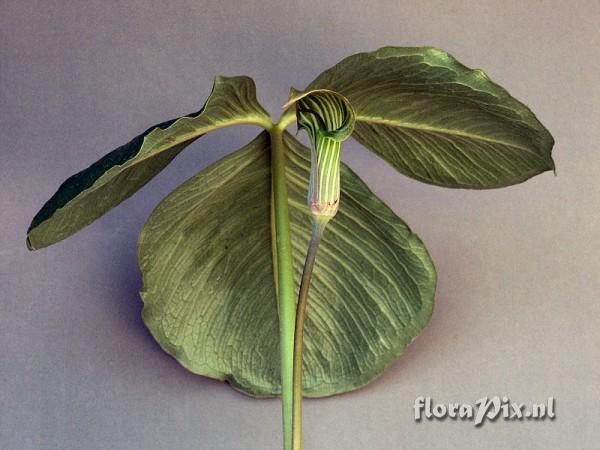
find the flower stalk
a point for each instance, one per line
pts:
(328, 119)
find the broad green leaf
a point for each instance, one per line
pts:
(90, 193)
(209, 296)
(438, 121)
(328, 118)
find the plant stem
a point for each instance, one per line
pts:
(315, 239)
(285, 279)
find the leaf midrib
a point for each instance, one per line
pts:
(426, 129)
(152, 152)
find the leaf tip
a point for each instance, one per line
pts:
(552, 167)
(294, 93)
(480, 75)
(29, 244)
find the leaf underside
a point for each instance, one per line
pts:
(209, 296)
(438, 121)
(92, 192)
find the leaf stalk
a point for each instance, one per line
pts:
(283, 265)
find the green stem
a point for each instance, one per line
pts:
(317, 234)
(285, 279)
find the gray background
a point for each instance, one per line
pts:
(517, 304)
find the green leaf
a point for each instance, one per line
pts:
(209, 296)
(438, 121)
(89, 194)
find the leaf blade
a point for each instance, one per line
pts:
(89, 194)
(216, 313)
(437, 121)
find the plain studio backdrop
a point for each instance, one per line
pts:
(517, 305)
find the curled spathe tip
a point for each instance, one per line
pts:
(324, 112)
